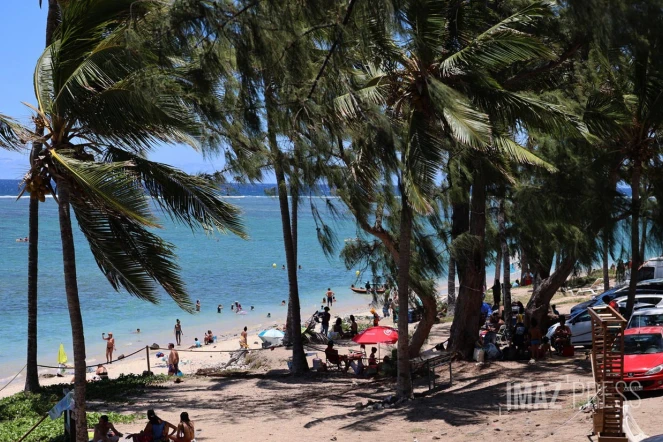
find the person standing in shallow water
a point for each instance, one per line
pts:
(110, 346)
(197, 305)
(178, 332)
(330, 296)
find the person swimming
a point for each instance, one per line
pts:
(269, 315)
(283, 302)
(252, 308)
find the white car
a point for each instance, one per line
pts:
(648, 317)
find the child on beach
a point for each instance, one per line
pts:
(185, 431)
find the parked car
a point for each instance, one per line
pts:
(580, 322)
(651, 269)
(643, 358)
(648, 300)
(648, 317)
(643, 287)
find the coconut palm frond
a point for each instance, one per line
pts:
(190, 199)
(422, 159)
(502, 44)
(109, 185)
(130, 256)
(519, 154)
(13, 136)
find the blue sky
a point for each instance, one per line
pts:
(22, 33)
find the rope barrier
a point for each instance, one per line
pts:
(96, 365)
(15, 376)
(214, 351)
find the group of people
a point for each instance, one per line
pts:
(524, 341)
(355, 360)
(156, 430)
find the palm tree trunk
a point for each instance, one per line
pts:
(504, 247)
(299, 365)
(636, 260)
(451, 286)
(404, 379)
(73, 303)
(606, 270)
(32, 374)
(466, 324)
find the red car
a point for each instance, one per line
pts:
(643, 358)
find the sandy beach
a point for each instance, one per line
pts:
(191, 360)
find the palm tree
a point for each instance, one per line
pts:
(107, 92)
(442, 98)
(32, 375)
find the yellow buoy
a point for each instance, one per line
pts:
(274, 265)
(357, 273)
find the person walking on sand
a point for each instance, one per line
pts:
(243, 339)
(173, 360)
(185, 431)
(110, 346)
(178, 332)
(330, 296)
(326, 317)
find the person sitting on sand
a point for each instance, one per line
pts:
(209, 338)
(102, 429)
(101, 372)
(338, 328)
(353, 326)
(156, 430)
(562, 336)
(495, 321)
(243, 343)
(196, 343)
(185, 431)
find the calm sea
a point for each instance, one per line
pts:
(217, 269)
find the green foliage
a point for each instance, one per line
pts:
(19, 412)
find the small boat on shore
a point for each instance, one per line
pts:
(363, 291)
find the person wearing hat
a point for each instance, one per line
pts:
(110, 346)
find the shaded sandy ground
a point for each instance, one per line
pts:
(270, 405)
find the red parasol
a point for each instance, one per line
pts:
(377, 335)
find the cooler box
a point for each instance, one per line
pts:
(568, 351)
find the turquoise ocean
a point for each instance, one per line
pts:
(217, 269)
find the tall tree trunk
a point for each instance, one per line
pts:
(299, 364)
(504, 247)
(643, 241)
(423, 328)
(606, 256)
(466, 324)
(451, 286)
(539, 304)
(32, 374)
(294, 219)
(404, 379)
(74, 306)
(636, 260)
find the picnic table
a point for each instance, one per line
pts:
(429, 360)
